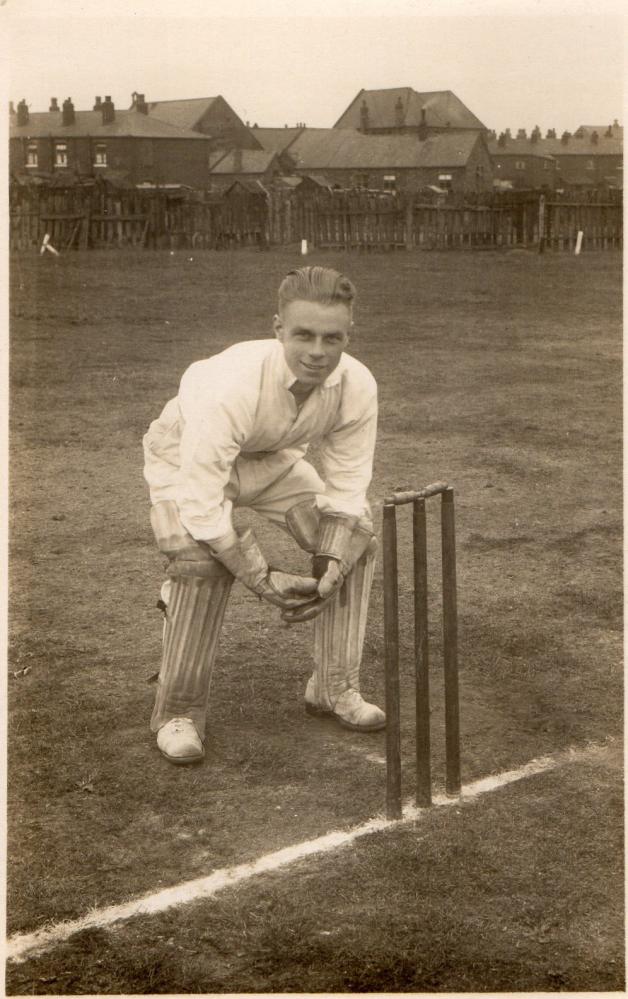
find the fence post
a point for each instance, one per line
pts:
(542, 223)
(409, 222)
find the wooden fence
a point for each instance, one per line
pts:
(100, 215)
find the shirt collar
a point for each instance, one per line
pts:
(287, 378)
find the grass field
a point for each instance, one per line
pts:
(499, 372)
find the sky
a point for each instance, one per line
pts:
(514, 64)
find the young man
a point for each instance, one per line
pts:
(236, 436)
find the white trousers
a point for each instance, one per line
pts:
(185, 675)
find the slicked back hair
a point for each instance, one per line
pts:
(316, 284)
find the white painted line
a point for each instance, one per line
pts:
(25, 945)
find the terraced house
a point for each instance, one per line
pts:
(128, 146)
(161, 142)
(591, 157)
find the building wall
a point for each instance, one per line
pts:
(582, 170)
(165, 161)
(537, 172)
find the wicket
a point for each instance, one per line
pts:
(421, 652)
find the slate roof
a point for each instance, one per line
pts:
(616, 129)
(183, 113)
(89, 123)
(346, 148)
(554, 147)
(244, 161)
(442, 108)
(520, 147)
(275, 140)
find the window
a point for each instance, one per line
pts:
(100, 155)
(520, 165)
(590, 165)
(360, 180)
(444, 180)
(61, 154)
(31, 155)
(390, 182)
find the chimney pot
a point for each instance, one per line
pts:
(54, 104)
(97, 104)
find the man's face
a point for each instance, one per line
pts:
(313, 337)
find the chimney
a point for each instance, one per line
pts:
(594, 138)
(364, 116)
(565, 137)
(22, 113)
(108, 111)
(522, 134)
(399, 112)
(68, 112)
(536, 134)
(551, 133)
(139, 103)
(423, 125)
(503, 138)
(237, 161)
(54, 106)
(97, 104)
(11, 108)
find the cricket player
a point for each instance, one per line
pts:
(236, 435)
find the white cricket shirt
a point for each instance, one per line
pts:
(238, 404)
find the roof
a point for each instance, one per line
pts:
(244, 161)
(519, 147)
(346, 148)
(251, 186)
(89, 123)
(442, 109)
(275, 140)
(617, 130)
(184, 113)
(554, 147)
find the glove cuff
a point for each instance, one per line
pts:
(245, 561)
(334, 537)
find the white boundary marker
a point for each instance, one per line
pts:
(25, 945)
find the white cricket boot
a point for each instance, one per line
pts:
(179, 741)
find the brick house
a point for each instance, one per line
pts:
(347, 158)
(103, 141)
(589, 158)
(405, 111)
